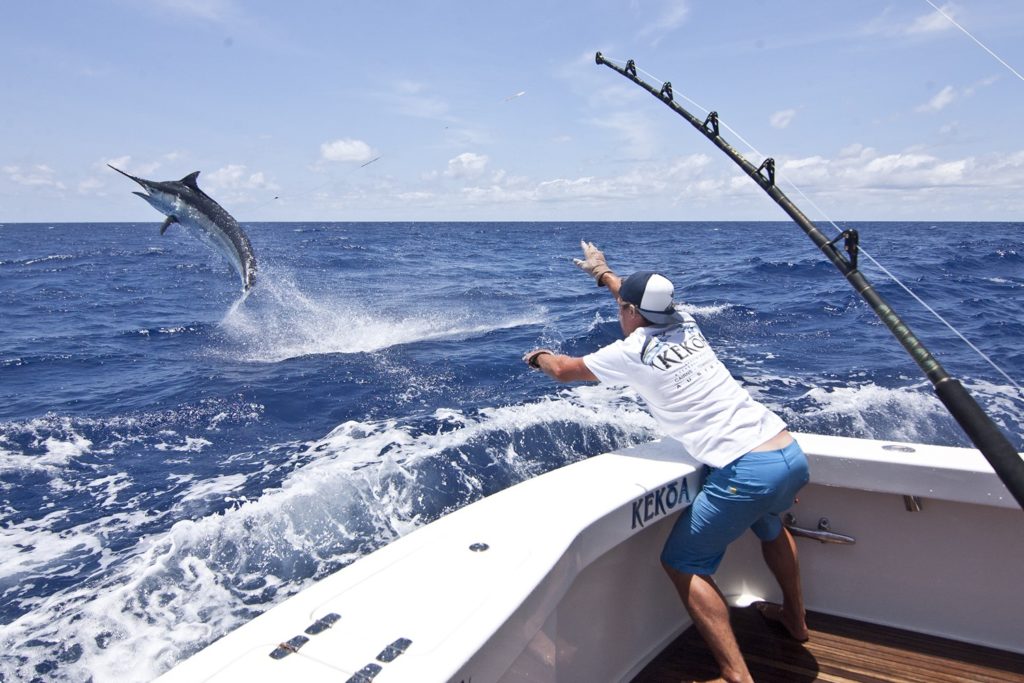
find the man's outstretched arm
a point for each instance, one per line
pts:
(559, 367)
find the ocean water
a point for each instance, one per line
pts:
(174, 460)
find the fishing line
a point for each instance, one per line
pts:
(911, 292)
(839, 230)
(981, 44)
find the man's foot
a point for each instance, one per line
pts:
(796, 628)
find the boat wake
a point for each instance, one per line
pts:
(227, 547)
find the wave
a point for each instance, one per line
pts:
(51, 443)
(906, 413)
(37, 261)
(43, 444)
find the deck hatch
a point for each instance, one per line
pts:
(392, 651)
(322, 624)
(287, 648)
(366, 674)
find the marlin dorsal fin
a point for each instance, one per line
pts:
(190, 180)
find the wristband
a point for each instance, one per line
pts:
(532, 362)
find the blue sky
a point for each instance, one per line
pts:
(496, 111)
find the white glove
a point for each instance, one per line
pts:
(593, 263)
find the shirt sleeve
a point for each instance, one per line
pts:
(610, 364)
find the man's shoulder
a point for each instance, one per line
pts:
(668, 330)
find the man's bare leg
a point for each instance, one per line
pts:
(781, 557)
(710, 615)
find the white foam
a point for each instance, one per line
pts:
(112, 486)
(911, 411)
(218, 487)
(61, 442)
(191, 445)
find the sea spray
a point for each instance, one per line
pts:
(284, 319)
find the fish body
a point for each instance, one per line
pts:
(181, 201)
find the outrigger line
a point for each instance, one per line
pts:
(971, 36)
(978, 426)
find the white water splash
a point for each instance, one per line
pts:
(912, 413)
(281, 321)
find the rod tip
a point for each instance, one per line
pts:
(599, 58)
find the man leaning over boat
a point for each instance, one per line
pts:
(755, 467)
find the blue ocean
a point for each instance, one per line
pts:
(175, 460)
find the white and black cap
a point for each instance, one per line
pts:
(652, 294)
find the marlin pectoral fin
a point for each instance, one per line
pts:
(167, 223)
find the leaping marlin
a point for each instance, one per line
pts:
(183, 202)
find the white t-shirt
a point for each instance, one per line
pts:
(688, 390)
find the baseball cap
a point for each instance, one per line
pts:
(652, 294)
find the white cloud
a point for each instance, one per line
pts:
(672, 16)
(411, 98)
(126, 164)
(636, 130)
(883, 25)
(781, 119)
(863, 168)
(347, 149)
(90, 186)
(38, 175)
(933, 21)
(676, 179)
(217, 11)
(238, 177)
(857, 182)
(854, 150)
(814, 169)
(889, 24)
(983, 83)
(466, 165)
(941, 100)
(415, 196)
(947, 95)
(563, 188)
(236, 184)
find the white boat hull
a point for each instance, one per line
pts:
(558, 578)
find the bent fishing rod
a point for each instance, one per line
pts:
(979, 427)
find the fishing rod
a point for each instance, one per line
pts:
(979, 427)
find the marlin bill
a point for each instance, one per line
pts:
(183, 202)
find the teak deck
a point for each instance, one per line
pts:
(839, 650)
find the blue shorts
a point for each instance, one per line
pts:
(749, 492)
